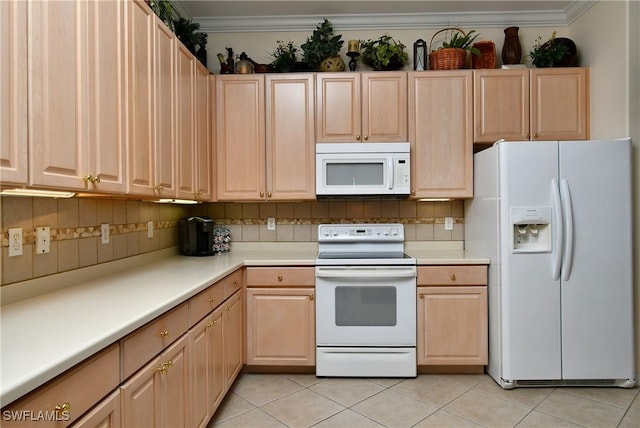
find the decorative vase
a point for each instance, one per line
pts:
(511, 50)
(332, 64)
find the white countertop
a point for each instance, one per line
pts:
(60, 325)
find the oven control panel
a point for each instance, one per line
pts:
(361, 232)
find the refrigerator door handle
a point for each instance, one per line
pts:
(557, 207)
(567, 260)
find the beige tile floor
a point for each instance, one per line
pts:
(273, 400)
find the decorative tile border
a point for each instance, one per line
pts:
(65, 234)
(317, 221)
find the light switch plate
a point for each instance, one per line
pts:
(448, 223)
(43, 240)
(104, 233)
(150, 229)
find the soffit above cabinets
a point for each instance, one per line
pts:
(300, 15)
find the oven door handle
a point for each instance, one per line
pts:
(356, 272)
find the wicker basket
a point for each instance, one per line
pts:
(446, 58)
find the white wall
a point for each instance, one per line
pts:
(259, 46)
(615, 93)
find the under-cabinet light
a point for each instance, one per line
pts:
(177, 201)
(37, 193)
(435, 200)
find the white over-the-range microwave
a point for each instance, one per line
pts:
(362, 169)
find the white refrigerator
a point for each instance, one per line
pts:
(556, 220)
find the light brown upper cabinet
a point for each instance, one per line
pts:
(290, 137)
(76, 74)
(240, 148)
(13, 102)
(537, 104)
(185, 123)
(151, 98)
(203, 155)
(265, 146)
(441, 134)
(356, 107)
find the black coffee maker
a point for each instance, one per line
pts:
(195, 236)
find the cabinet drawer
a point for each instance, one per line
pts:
(282, 276)
(149, 340)
(232, 283)
(452, 275)
(203, 303)
(77, 389)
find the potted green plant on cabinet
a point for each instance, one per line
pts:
(452, 54)
(555, 52)
(322, 48)
(284, 57)
(384, 53)
(187, 32)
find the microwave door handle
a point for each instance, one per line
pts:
(390, 174)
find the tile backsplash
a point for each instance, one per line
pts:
(76, 237)
(298, 221)
(75, 232)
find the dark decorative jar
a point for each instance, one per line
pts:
(511, 50)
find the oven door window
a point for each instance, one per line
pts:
(365, 306)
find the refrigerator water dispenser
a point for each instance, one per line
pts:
(531, 229)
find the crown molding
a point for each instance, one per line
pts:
(404, 21)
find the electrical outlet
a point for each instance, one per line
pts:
(15, 242)
(149, 229)
(448, 223)
(43, 240)
(271, 223)
(104, 233)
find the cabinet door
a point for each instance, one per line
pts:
(57, 36)
(104, 415)
(200, 368)
(13, 100)
(106, 96)
(140, 32)
(176, 384)
(384, 106)
(233, 338)
(164, 105)
(560, 104)
(142, 397)
(216, 380)
(240, 137)
(452, 325)
(290, 137)
(185, 122)
(338, 108)
(270, 311)
(208, 381)
(500, 105)
(441, 134)
(204, 146)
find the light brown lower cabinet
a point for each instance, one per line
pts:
(232, 338)
(207, 367)
(217, 357)
(452, 315)
(105, 414)
(270, 313)
(64, 399)
(158, 395)
(280, 299)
